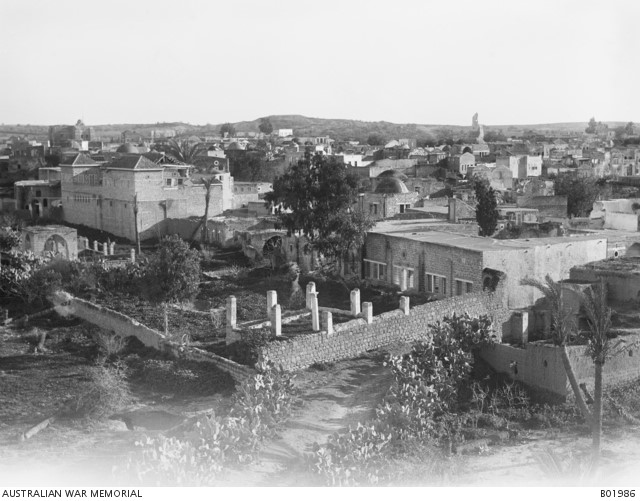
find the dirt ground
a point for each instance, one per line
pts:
(34, 386)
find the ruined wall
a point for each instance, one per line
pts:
(540, 366)
(355, 337)
(122, 325)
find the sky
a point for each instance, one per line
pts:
(209, 61)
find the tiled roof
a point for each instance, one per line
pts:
(78, 159)
(133, 162)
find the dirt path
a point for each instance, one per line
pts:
(333, 400)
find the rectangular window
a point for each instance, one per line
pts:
(373, 209)
(400, 273)
(463, 287)
(169, 182)
(375, 270)
(436, 284)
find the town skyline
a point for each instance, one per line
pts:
(209, 63)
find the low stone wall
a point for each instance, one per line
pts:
(125, 326)
(540, 366)
(353, 338)
(238, 372)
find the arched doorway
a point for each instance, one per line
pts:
(57, 246)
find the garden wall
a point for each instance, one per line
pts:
(125, 326)
(353, 338)
(540, 366)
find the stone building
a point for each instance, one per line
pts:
(521, 166)
(461, 164)
(55, 240)
(133, 195)
(390, 196)
(63, 135)
(41, 198)
(449, 264)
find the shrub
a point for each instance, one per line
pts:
(198, 456)
(108, 392)
(173, 272)
(427, 382)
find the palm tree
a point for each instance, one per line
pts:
(184, 150)
(563, 326)
(207, 182)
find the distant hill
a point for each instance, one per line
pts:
(307, 126)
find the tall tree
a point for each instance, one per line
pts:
(265, 126)
(317, 196)
(562, 328)
(580, 192)
(376, 139)
(228, 129)
(184, 150)
(486, 208)
(591, 128)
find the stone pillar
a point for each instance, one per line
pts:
(355, 302)
(311, 289)
(404, 304)
(105, 249)
(112, 248)
(276, 320)
(231, 320)
(315, 318)
(95, 245)
(367, 312)
(272, 300)
(327, 322)
(133, 255)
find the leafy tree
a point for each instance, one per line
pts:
(183, 150)
(376, 140)
(173, 272)
(494, 135)
(316, 196)
(228, 129)
(265, 126)
(591, 128)
(487, 207)
(9, 239)
(628, 129)
(580, 192)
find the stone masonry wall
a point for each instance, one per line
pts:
(355, 337)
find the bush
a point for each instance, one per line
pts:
(108, 393)
(173, 272)
(200, 453)
(427, 382)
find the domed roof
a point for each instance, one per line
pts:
(394, 174)
(391, 185)
(127, 148)
(234, 146)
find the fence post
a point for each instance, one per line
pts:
(272, 300)
(327, 322)
(231, 319)
(276, 322)
(404, 304)
(315, 320)
(311, 289)
(355, 302)
(367, 312)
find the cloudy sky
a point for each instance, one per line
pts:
(207, 61)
